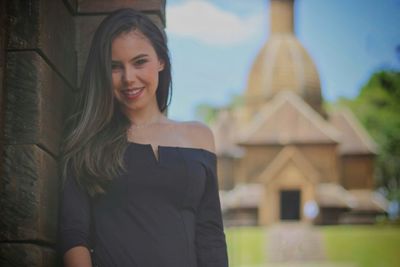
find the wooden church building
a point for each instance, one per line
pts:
(281, 156)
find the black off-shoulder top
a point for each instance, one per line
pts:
(162, 212)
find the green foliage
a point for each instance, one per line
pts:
(236, 101)
(378, 109)
(208, 113)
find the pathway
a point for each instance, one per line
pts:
(297, 245)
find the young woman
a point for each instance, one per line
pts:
(139, 189)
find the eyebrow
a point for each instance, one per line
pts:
(132, 59)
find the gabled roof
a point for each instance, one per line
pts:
(243, 196)
(355, 139)
(333, 195)
(286, 155)
(287, 119)
(367, 200)
(224, 129)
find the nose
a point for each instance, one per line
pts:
(129, 75)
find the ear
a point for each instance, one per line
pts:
(161, 66)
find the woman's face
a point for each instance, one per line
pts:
(135, 68)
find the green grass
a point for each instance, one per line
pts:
(246, 246)
(367, 246)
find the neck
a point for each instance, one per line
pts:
(145, 116)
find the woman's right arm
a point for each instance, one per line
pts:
(74, 225)
(77, 257)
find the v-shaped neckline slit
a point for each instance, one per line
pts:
(156, 153)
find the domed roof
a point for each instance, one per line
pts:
(284, 64)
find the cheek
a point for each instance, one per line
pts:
(116, 84)
(151, 70)
(116, 80)
(153, 75)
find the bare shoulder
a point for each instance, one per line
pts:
(200, 135)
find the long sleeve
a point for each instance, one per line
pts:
(74, 217)
(210, 237)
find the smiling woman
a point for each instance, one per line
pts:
(139, 189)
(135, 67)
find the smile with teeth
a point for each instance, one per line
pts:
(132, 92)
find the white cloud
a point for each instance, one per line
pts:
(203, 21)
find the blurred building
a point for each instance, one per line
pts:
(281, 156)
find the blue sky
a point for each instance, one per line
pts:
(213, 45)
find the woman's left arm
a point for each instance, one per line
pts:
(210, 237)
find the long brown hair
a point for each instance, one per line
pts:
(95, 133)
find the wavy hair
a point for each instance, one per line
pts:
(95, 133)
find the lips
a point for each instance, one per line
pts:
(132, 92)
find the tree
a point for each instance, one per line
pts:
(378, 108)
(208, 113)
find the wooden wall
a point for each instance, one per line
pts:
(43, 48)
(357, 171)
(322, 156)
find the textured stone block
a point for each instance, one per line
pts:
(2, 56)
(36, 102)
(28, 195)
(46, 26)
(106, 6)
(22, 255)
(72, 5)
